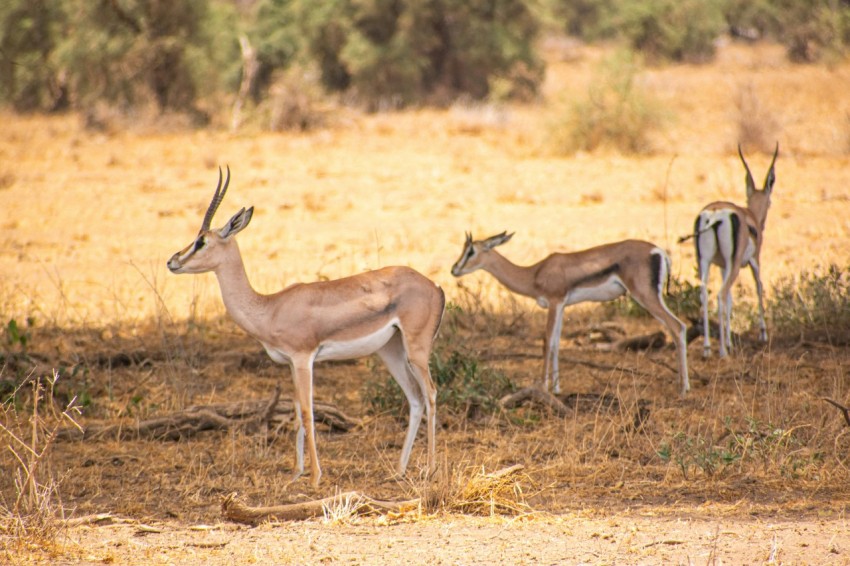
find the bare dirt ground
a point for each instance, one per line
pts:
(751, 468)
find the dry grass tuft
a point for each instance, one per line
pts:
(470, 490)
(33, 517)
(758, 125)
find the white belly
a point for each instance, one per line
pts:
(608, 290)
(359, 347)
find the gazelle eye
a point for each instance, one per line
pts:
(200, 243)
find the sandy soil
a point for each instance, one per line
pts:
(694, 536)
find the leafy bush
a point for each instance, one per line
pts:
(29, 32)
(617, 112)
(142, 52)
(813, 306)
(394, 52)
(812, 29)
(73, 53)
(760, 445)
(679, 30)
(464, 386)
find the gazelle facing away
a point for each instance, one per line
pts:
(394, 312)
(598, 274)
(730, 237)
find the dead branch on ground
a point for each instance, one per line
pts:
(842, 408)
(235, 510)
(537, 397)
(183, 424)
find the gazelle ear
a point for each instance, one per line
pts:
(497, 240)
(771, 174)
(237, 223)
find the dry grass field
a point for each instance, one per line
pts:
(752, 467)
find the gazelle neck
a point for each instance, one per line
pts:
(758, 205)
(515, 277)
(242, 302)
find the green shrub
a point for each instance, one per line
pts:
(813, 29)
(388, 53)
(617, 113)
(754, 446)
(813, 306)
(678, 30)
(29, 32)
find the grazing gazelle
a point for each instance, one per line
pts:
(730, 237)
(598, 274)
(394, 312)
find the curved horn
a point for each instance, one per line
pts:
(751, 184)
(216, 200)
(770, 178)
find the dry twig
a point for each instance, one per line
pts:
(842, 408)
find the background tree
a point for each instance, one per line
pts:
(29, 31)
(395, 52)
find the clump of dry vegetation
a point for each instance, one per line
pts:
(32, 514)
(618, 112)
(758, 126)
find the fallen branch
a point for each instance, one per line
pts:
(842, 408)
(222, 416)
(537, 396)
(652, 341)
(235, 510)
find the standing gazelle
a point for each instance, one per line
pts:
(598, 274)
(730, 237)
(394, 312)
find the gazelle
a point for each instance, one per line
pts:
(394, 312)
(731, 237)
(598, 274)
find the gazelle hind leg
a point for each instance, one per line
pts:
(653, 301)
(395, 358)
(706, 248)
(754, 266)
(724, 308)
(706, 328)
(421, 373)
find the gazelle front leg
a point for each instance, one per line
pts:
(302, 374)
(554, 321)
